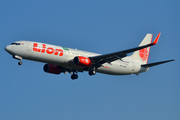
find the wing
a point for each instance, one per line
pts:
(101, 59)
(157, 63)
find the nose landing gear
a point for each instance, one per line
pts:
(18, 58)
(20, 63)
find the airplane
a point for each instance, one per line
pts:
(62, 59)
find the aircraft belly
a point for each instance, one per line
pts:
(119, 69)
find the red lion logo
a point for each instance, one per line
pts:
(143, 53)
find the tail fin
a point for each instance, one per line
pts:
(142, 55)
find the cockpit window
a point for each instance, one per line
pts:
(15, 43)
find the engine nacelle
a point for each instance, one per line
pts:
(82, 61)
(50, 68)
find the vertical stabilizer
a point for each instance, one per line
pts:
(142, 55)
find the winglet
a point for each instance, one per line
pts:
(156, 40)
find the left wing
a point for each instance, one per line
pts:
(101, 59)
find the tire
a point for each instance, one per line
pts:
(92, 72)
(19, 63)
(74, 76)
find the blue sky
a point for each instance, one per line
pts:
(100, 26)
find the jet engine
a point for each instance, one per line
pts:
(82, 61)
(50, 68)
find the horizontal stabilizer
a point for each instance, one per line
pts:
(156, 63)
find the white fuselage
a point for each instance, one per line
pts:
(62, 60)
(62, 56)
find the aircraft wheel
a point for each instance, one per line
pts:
(92, 72)
(74, 76)
(19, 63)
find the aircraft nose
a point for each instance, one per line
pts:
(7, 48)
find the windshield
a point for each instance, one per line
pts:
(15, 44)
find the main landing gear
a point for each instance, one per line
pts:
(74, 76)
(92, 72)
